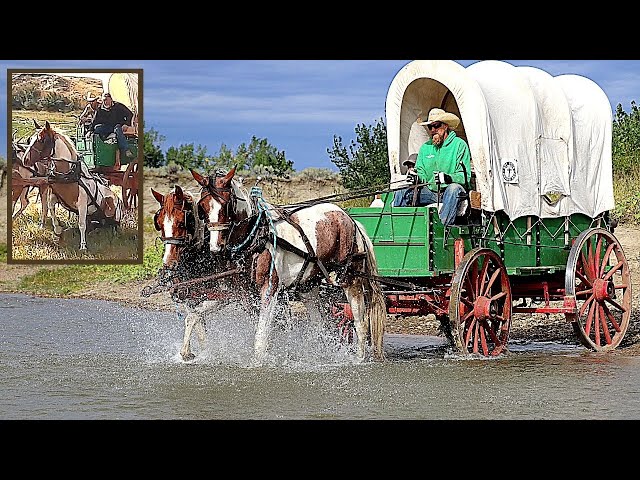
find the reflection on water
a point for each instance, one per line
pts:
(79, 359)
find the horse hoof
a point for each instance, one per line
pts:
(256, 362)
(187, 357)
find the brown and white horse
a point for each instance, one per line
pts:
(187, 258)
(53, 155)
(295, 248)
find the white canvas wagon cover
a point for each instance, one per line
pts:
(540, 145)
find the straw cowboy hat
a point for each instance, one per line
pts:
(439, 115)
(91, 98)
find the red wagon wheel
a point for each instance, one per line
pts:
(130, 185)
(343, 316)
(480, 304)
(598, 277)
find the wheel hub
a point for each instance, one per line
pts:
(603, 289)
(484, 309)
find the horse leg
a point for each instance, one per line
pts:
(311, 303)
(265, 322)
(49, 202)
(195, 320)
(268, 287)
(24, 201)
(43, 193)
(193, 317)
(82, 217)
(355, 296)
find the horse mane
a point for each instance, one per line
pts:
(241, 192)
(67, 141)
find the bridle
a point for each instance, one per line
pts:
(42, 157)
(227, 199)
(190, 221)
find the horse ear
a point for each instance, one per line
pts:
(35, 123)
(47, 125)
(158, 196)
(230, 175)
(204, 181)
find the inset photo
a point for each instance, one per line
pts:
(76, 156)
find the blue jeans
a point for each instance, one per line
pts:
(449, 200)
(105, 130)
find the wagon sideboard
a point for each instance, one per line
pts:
(411, 241)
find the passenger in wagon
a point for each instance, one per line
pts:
(110, 118)
(443, 166)
(89, 112)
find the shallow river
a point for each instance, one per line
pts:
(84, 359)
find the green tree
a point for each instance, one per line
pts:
(365, 163)
(261, 153)
(226, 159)
(188, 156)
(153, 156)
(626, 140)
(258, 153)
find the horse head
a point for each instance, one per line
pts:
(40, 146)
(47, 144)
(179, 227)
(217, 206)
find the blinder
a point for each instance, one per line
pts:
(190, 225)
(155, 220)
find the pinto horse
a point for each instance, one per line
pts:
(186, 259)
(295, 248)
(52, 154)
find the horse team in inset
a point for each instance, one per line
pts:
(49, 161)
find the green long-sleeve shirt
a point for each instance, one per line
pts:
(449, 158)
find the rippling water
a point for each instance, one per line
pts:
(82, 359)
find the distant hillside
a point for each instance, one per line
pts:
(52, 93)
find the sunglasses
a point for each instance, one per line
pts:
(434, 126)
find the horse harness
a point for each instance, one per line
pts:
(264, 235)
(261, 233)
(74, 175)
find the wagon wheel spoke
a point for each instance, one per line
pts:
(585, 280)
(483, 340)
(480, 304)
(606, 256)
(586, 305)
(482, 276)
(498, 296)
(605, 328)
(598, 278)
(613, 270)
(611, 318)
(596, 262)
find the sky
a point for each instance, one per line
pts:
(298, 106)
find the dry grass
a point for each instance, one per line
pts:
(31, 242)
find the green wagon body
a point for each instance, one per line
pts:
(409, 242)
(98, 153)
(571, 265)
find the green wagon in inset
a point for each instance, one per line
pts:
(102, 153)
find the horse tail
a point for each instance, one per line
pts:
(375, 301)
